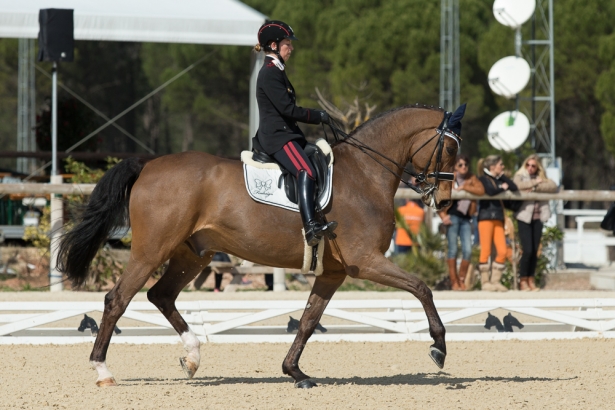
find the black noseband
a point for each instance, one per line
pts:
(422, 177)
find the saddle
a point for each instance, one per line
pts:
(319, 154)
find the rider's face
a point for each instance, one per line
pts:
(286, 48)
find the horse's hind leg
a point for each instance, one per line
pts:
(116, 301)
(383, 271)
(323, 290)
(183, 267)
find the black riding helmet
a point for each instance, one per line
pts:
(274, 31)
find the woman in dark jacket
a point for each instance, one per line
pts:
(491, 215)
(279, 134)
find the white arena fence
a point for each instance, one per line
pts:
(392, 320)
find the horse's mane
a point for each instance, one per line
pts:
(369, 122)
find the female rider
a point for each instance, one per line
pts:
(279, 134)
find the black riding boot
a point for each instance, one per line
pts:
(314, 230)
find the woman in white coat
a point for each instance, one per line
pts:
(531, 177)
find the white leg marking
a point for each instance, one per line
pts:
(103, 371)
(192, 346)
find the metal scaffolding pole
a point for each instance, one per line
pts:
(449, 55)
(542, 101)
(26, 105)
(57, 210)
(257, 61)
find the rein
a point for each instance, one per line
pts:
(421, 177)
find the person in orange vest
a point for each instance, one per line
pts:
(414, 215)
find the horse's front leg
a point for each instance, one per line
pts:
(381, 270)
(323, 290)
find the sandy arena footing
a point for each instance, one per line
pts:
(506, 374)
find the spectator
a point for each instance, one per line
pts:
(531, 177)
(458, 221)
(219, 257)
(491, 215)
(413, 215)
(608, 223)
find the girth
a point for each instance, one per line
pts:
(320, 163)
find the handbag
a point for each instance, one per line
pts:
(512, 205)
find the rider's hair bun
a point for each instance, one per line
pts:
(257, 48)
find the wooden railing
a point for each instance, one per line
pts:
(566, 195)
(43, 189)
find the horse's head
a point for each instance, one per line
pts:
(433, 156)
(510, 321)
(493, 321)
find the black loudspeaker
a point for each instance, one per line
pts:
(55, 40)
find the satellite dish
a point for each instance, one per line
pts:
(513, 13)
(509, 76)
(508, 131)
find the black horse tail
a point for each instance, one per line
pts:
(107, 209)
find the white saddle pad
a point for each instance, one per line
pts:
(262, 181)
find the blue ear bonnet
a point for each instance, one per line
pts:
(454, 121)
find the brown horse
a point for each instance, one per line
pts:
(185, 207)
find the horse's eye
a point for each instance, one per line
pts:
(450, 150)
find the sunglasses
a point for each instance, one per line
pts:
(461, 164)
(531, 166)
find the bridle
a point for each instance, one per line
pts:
(424, 187)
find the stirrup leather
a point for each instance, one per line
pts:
(315, 231)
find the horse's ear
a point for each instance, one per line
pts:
(454, 122)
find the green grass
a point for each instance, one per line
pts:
(28, 288)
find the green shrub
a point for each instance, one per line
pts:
(104, 269)
(427, 260)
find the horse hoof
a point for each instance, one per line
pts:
(305, 384)
(108, 382)
(437, 356)
(189, 367)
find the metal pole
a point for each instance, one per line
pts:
(449, 55)
(451, 69)
(279, 280)
(518, 42)
(57, 211)
(456, 59)
(533, 53)
(56, 217)
(54, 119)
(21, 113)
(552, 81)
(258, 61)
(443, 51)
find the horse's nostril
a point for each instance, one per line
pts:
(444, 204)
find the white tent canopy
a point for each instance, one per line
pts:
(223, 22)
(227, 22)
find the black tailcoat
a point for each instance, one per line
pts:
(278, 112)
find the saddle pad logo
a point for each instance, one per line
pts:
(263, 187)
(261, 184)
